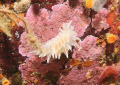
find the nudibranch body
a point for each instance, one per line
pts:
(63, 42)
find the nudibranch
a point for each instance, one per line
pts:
(63, 42)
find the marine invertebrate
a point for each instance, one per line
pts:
(116, 50)
(96, 5)
(89, 3)
(111, 38)
(89, 74)
(45, 25)
(21, 5)
(63, 42)
(5, 81)
(108, 72)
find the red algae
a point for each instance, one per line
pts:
(111, 17)
(109, 73)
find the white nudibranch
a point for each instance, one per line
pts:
(63, 42)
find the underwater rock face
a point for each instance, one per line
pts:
(65, 42)
(9, 55)
(44, 22)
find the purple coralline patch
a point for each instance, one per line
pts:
(36, 68)
(79, 76)
(99, 22)
(89, 49)
(45, 24)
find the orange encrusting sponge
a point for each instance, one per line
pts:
(111, 38)
(5, 82)
(89, 3)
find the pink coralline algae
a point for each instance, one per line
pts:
(35, 68)
(99, 22)
(89, 49)
(44, 25)
(79, 76)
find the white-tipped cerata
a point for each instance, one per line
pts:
(61, 43)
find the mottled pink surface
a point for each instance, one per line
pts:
(45, 24)
(99, 22)
(78, 76)
(89, 49)
(34, 64)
